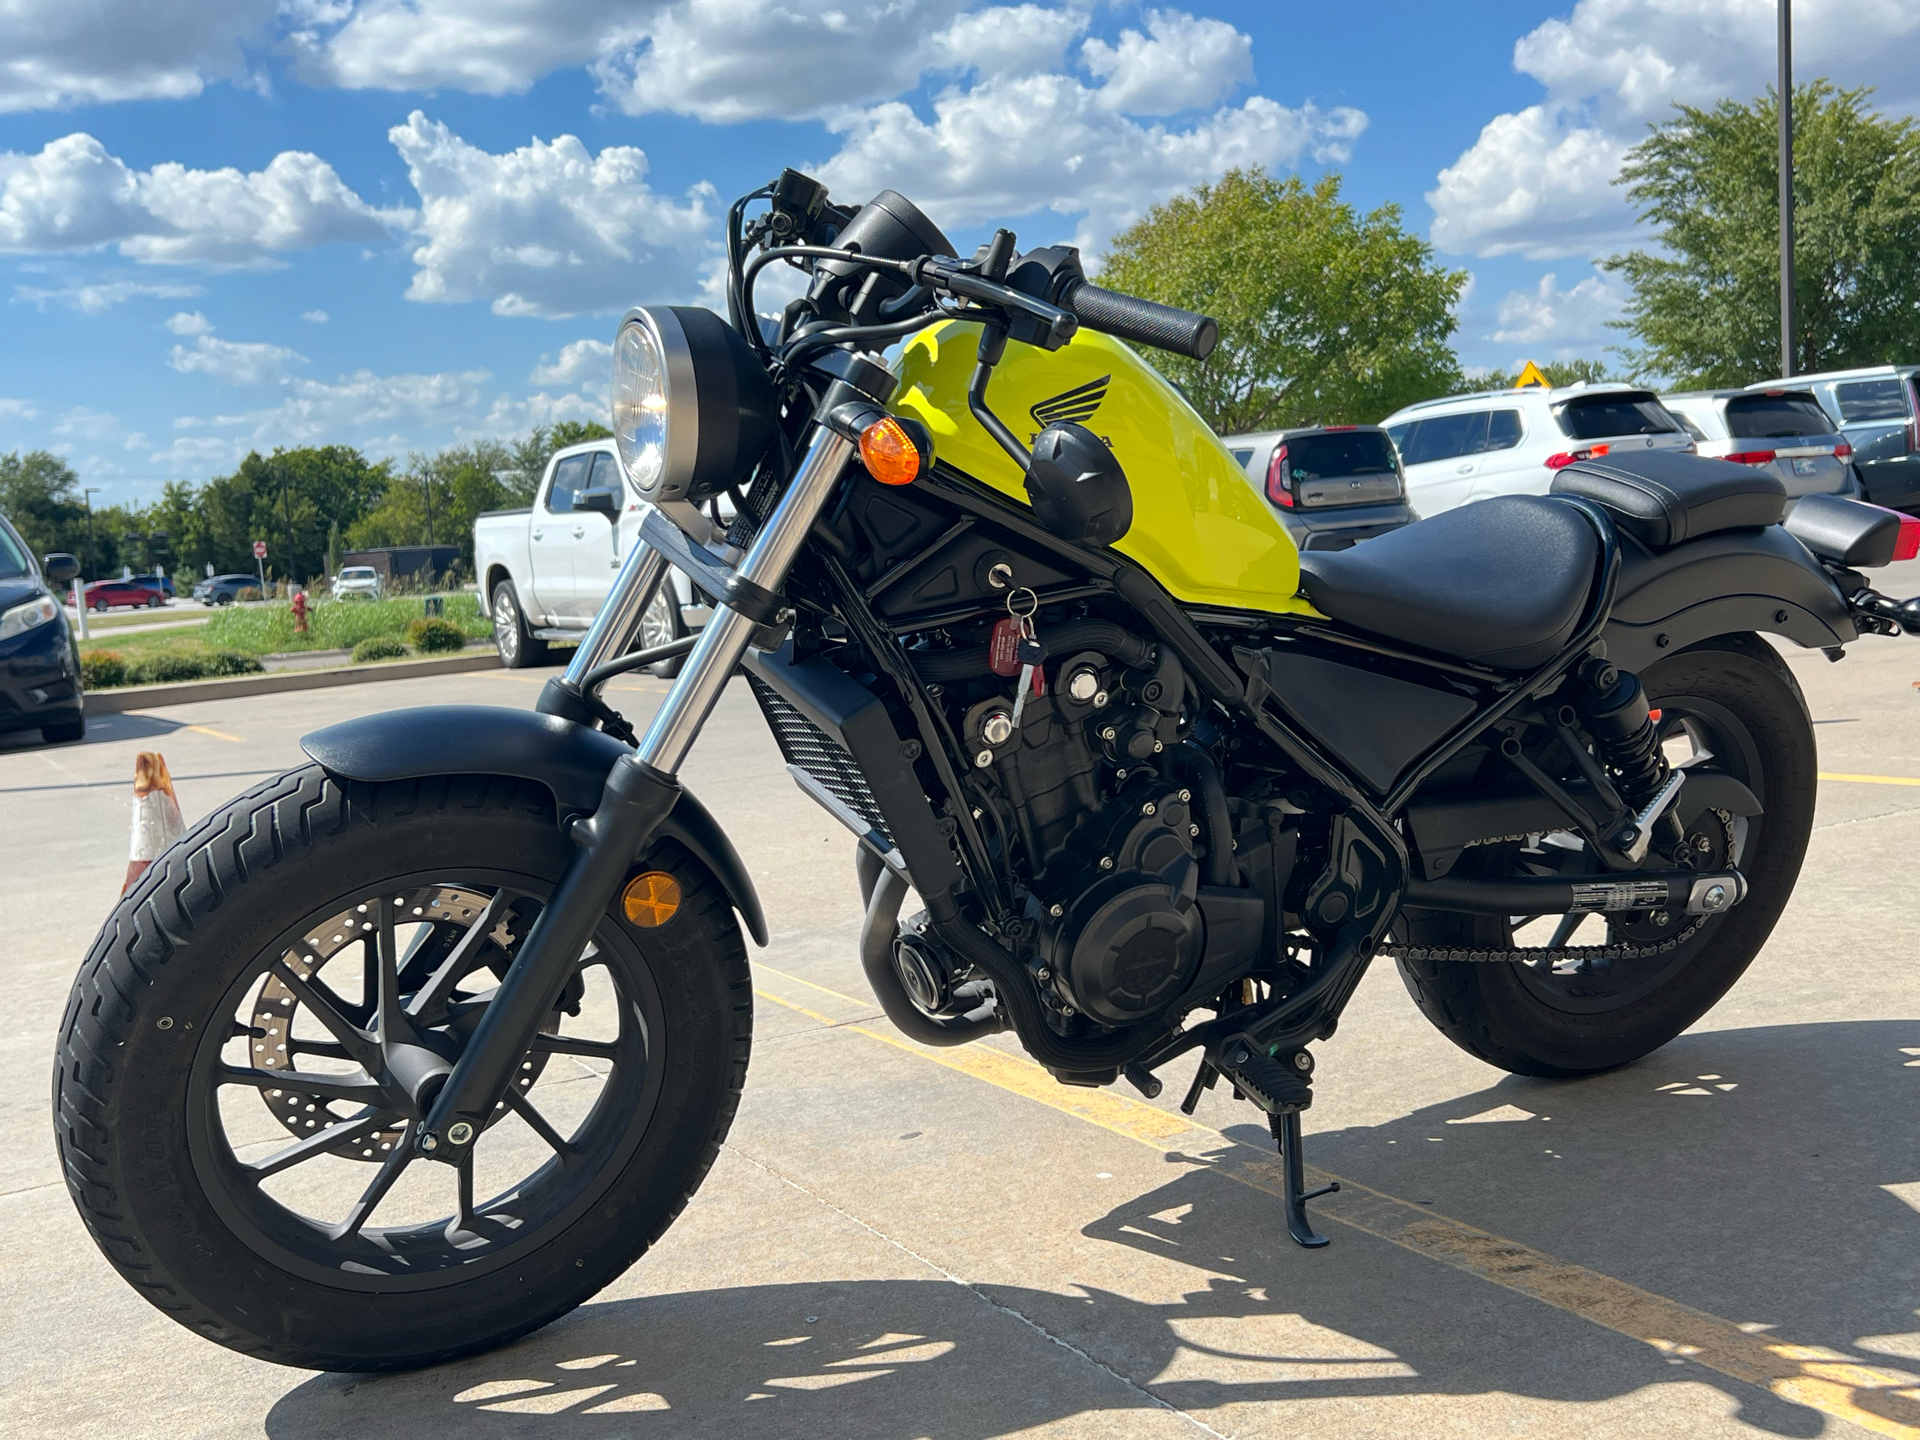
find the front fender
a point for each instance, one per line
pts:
(570, 760)
(1723, 584)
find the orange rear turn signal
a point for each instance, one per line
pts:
(651, 899)
(888, 451)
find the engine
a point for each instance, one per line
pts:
(1096, 823)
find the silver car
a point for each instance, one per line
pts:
(1331, 485)
(1784, 431)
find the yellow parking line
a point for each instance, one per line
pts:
(217, 734)
(1871, 779)
(1873, 1397)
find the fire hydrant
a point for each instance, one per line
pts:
(299, 612)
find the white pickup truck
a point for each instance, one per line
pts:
(546, 567)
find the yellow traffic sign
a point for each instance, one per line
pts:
(1531, 374)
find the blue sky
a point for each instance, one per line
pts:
(234, 224)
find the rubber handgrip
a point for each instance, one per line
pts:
(1145, 322)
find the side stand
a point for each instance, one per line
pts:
(1286, 1130)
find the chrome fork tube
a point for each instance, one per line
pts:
(619, 616)
(724, 641)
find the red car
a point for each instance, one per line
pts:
(103, 595)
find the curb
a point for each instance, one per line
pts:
(123, 698)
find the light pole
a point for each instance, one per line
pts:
(1786, 187)
(80, 584)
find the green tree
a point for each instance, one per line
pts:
(461, 482)
(1326, 316)
(1706, 306)
(39, 493)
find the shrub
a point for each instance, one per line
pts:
(379, 647)
(430, 635)
(101, 669)
(167, 665)
(248, 592)
(232, 662)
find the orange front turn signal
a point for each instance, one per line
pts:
(889, 451)
(651, 899)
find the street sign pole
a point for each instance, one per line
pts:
(260, 564)
(1786, 187)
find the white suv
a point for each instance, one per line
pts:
(1510, 442)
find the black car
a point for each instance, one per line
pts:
(1332, 485)
(225, 589)
(39, 663)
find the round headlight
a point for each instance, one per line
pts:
(692, 405)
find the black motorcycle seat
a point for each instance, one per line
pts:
(1501, 582)
(1664, 498)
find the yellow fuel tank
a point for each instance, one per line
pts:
(1199, 527)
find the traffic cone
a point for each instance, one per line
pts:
(156, 814)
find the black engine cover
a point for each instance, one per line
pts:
(1136, 949)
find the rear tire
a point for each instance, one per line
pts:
(1505, 1014)
(161, 1145)
(519, 649)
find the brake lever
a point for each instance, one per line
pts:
(941, 272)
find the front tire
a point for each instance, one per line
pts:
(662, 625)
(519, 649)
(1738, 691)
(173, 1122)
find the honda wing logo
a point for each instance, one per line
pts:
(1075, 406)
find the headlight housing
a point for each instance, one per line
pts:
(22, 618)
(692, 406)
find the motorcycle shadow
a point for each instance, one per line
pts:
(1744, 1173)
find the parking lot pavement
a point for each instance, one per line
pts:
(1718, 1240)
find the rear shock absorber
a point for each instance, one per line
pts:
(1613, 707)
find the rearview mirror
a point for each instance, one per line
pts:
(59, 567)
(602, 501)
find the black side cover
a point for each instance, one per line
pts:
(1375, 724)
(570, 760)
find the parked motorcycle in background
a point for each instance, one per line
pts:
(1162, 785)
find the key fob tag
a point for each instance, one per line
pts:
(1003, 649)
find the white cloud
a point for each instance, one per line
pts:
(73, 195)
(189, 322)
(315, 317)
(101, 296)
(493, 47)
(1536, 182)
(1535, 185)
(583, 360)
(1008, 40)
(13, 409)
(236, 362)
(1007, 147)
(1182, 63)
(1548, 315)
(548, 229)
(726, 60)
(55, 53)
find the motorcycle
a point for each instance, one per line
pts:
(1162, 786)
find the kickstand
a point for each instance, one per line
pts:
(1286, 1130)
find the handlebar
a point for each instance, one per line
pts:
(1144, 322)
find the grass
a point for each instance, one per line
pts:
(268, 630)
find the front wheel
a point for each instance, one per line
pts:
(662, 625)
(1735, 699)
(238, 1135)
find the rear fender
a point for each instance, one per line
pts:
(1733, 582)
(571, 760)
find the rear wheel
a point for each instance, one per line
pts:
(244, 1155)
(1735, 698)
(518, 648)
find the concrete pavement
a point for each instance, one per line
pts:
(1718, 1240)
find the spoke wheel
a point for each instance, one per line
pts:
(266, 1018)
(661, 625)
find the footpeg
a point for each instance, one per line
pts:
(1278, 1089)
